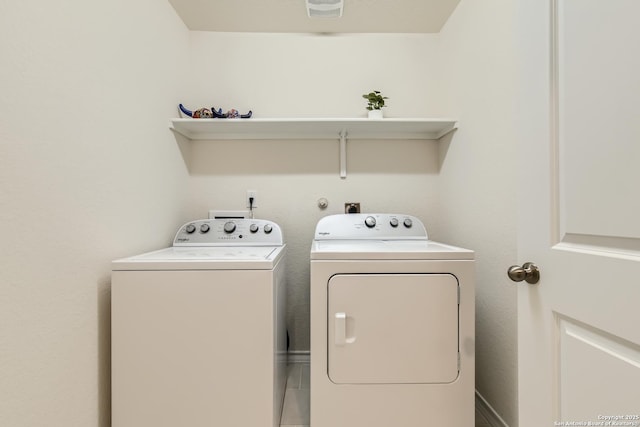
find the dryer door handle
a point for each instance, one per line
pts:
(340, 325)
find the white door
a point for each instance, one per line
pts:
(579, 124)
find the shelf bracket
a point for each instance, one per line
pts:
(343, 154)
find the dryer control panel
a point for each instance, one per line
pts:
(370, 226)
(229, 232)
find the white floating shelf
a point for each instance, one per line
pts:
(314, 128)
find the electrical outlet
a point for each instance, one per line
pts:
(352, 207)
(254, 194)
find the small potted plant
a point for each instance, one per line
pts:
(375, 103)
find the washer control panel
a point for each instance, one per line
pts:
(229, 232)
(370, 226)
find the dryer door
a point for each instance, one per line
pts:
(392, 328)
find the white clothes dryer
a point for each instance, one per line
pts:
(198, 329)
(392, 325)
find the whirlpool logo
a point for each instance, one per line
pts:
(324, 233)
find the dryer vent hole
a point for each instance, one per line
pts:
(352, 207)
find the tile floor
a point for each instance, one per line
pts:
(295, 412)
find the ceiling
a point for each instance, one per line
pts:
(290, 16)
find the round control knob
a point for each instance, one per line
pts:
(268, 228)
(204, 228)
(229, 227)
(370, 222)
(190, 228)
(394, 222)
(407, 222)
(254, 228)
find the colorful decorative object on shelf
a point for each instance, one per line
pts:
(200, 113)
(231, 114)
(205, 113)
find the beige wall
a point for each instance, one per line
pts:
(88, 173)
(477, 183)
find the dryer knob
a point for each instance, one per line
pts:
(394, 222)
(268, 228)
(229, 227)
(370, 222)
(254, 228)
(190, 228)
(407, 222)
(204, 228)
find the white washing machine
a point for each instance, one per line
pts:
(198, 329)
(392, 325)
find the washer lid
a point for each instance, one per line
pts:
(387, 249)
(204, 258)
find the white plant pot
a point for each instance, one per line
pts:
(375, 114)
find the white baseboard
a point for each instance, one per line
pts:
(299, 356)
(487, 411)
